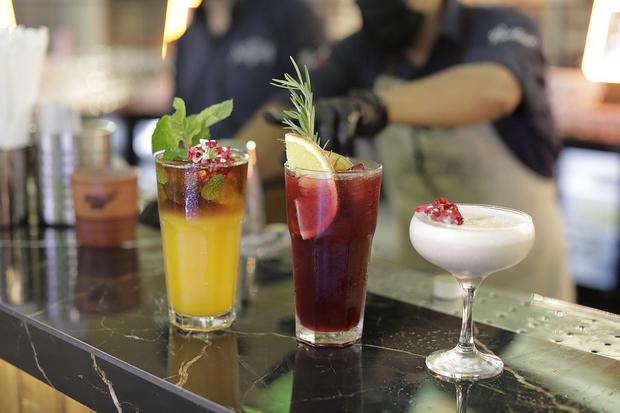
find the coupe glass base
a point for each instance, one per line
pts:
(328, 339)
(201, 324)
(459, 365)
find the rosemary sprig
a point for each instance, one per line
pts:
(300, 120)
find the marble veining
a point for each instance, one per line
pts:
(183, 370)
(132, 334)
(65, 300)
(537, 388)
(259, 381)
(108, 383)
(36, 357)
(394, 349)
(555, 404)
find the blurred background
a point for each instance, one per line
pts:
(114, 59)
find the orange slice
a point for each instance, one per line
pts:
(317, 199)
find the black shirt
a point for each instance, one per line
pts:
(241, 63)
(466, 35)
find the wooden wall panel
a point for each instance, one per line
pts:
(22, 393)
(9, 402)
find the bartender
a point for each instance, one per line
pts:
(233, 48)
(455, 99)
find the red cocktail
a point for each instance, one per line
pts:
(332, 219)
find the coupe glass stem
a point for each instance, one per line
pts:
(462, 393)
(466, 339)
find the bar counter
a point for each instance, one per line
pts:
(92, 324)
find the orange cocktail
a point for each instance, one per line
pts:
(200, 210)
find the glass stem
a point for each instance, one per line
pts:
(462, 392)
(466, 339)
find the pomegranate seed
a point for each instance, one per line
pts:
(441, 210)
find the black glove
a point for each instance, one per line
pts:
(340, 119)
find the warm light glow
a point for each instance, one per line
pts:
(7, 15)
(176, 21)
(601, 57)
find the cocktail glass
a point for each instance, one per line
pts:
(331, 219)
(491, 239)
(200, 211)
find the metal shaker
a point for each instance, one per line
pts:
(63, 146)
(13, 186)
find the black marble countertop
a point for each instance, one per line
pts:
(92, 324)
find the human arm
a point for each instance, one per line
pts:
(462, 95)
(501, 79)
(502, 72)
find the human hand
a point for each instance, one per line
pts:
(339, 119)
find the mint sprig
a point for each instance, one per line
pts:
(211, 191)
(175, 133)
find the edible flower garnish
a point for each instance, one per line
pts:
(208, 152)
(442, 211)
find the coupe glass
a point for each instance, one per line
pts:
(491, 239)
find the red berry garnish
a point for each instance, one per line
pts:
(440, 210)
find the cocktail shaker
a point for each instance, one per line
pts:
(64, 145)
(13, 186)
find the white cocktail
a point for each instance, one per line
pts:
(489, 239)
